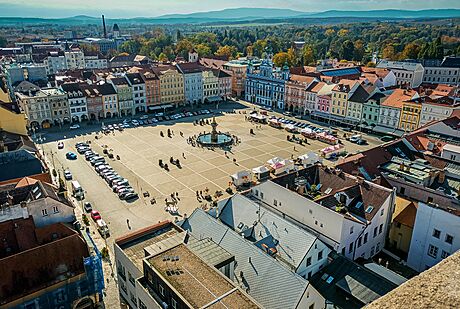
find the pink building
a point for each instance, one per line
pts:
(323, 103)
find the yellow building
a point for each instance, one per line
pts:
(11, 118)
(171, 85)
(410, 116)
(340, 94)
(402, 226)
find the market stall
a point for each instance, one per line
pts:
(275, 123)
(261, 172)
(241, 178)
(327, 138)
(309, 158)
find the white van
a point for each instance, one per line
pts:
(103, 228)
(77, 190)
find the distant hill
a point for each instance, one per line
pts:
(431, 13)
(239, 13)
(242, 15)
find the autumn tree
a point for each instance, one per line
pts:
(389, 52)
(183, 47)
(279, 59)
(226, 51)
(162, 57)
(410, 51)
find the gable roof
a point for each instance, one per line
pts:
(291, 242)
(267, 281)
(347, 284)
(397, 98)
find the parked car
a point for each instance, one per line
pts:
(87, 206)
(95, 215)
(60, 145)
(71, 156)
(144, 117)
(131, 196)
(387, 138)
(361, 142)
(67, 175)
(82, 149)
(74, 127)
(354, 138)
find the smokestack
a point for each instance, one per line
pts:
(105, 29)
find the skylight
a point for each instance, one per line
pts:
(369, 209)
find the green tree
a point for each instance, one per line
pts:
(203, 50)
(3, 42)
(281, 58)
(131, 47)
(358, 52)
(162, 57)
(347, 50)
(308, 56)
(183, 47)
(259, 47)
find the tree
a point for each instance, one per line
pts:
(258, 47)
(203, 50)
(410, 51)
(183, 47)
(347, 50)
(389, 52)
(131, 47)
(226, 51)
(308, 56)
(358, 52)
(424, 52)
(343, 32)
(178, 35)
(3, 42)
(162, 57)
(250, 50)
(281, 58)
(87, 48)
(437, 50)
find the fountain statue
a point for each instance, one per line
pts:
(215, 138)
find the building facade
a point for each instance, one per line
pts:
(35, 105)
(152, 90)
(93, 101)
(435, 236)
(77, 102)
(210, 86)
(57, 100)
(125, 95)
(109, 98)
(137, 84)
(408, 74)
(266, 87)
(193, 82)
(410, 115)
(340, 94)
(171, 86)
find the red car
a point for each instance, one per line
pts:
(95, 215)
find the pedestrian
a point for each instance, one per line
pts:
(197, 193)
(183, 155)
(294, 149)
(166, 201)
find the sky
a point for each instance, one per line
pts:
(152, 8)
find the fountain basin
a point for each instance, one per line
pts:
(221, 140)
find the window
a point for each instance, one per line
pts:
(429, 199)
(275, 202)
(350, 248)
(44, 212)
(55, 209)
(449, 239)
(375, 231)
(173, 303)
(308, 261)
(359, 241)
(380, 228)
(257, 192)
(382, 211)
(320, 255)
(365, 238)
(436, 233)
(261, 195)
(402, 190)
(433, 251)
(312, 306)
(444, 254)
(131, 279)
(162, 290)
(351, 230)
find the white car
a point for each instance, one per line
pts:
(67, 175)
(144, 117)
(74, 127)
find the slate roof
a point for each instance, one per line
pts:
(451, 62)
(292, 242)
(359, 96)
(267, 281)
(119, 81)
(106, 89)
(135, 78)
(190, 68)
(18, 164)
(220, 73)
(349, 285)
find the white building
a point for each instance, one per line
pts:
(451, 152)
(446, 72)
(137, 84)
(77, 101)
(350, 215)
(225, 83)
(95, 62)
(292, 246)
(311, 93)
(193, 81)
(39, 200)
(210, 86)
(436, 235)
(407, 73)
(75, 59)
(55, 62)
